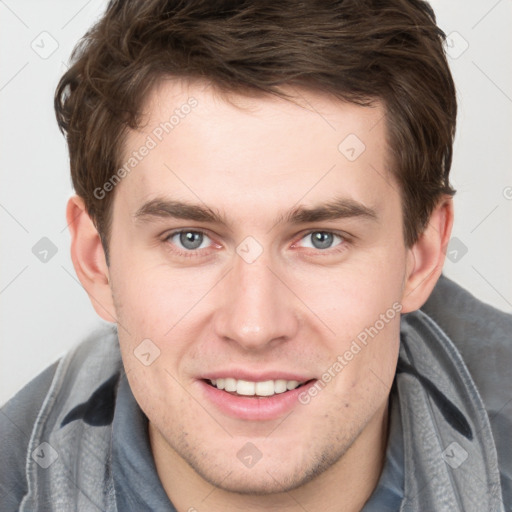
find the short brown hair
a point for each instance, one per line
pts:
(358, 50)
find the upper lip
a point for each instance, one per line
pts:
(240, 374)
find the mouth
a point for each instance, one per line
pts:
(252, 400)
(259, 389)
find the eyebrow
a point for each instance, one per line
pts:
(337, 208)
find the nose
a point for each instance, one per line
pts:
(256, 309)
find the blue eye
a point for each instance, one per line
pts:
(189, 240)
(322, 239)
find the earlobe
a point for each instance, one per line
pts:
(89, 258)
(426, 257)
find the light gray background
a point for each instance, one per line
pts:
(44, 309)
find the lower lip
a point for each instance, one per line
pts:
(254, 408)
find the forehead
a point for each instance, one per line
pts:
(232, 150)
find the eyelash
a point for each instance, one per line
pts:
(341, 247)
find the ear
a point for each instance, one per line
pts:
(426, 257)
(89, 258)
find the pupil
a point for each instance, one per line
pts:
(191, 239)
(322, 240)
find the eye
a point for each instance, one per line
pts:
(322, 240)
(189, 240)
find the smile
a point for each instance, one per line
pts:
(249, 388)
(253, 400)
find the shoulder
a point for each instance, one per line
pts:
(17, 418)
(461, 312)
(483, 336)
(50, 390)
(481, 333)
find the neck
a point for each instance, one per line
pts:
(346, 485)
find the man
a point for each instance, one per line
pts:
(262, 208)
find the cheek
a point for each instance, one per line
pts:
(361, 306)
(152, 299)
(361, 371)
(354, 296)
(159, 310)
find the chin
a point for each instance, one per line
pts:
(262, 482)
(266, 477)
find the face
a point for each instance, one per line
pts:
(257, 245)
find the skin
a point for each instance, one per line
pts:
(295, 308)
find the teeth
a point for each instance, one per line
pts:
(280, 386)
(291, 384)
(230, 384)
(266, 388)
(244, 387)
(248, 388)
